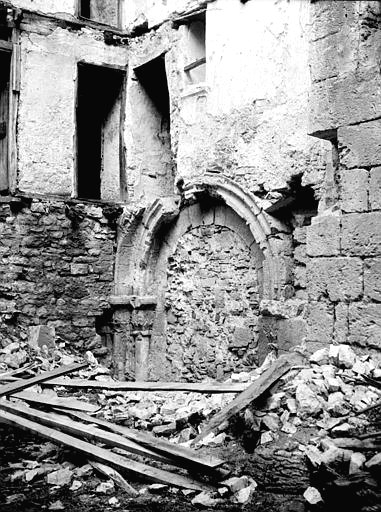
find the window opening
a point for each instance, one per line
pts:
(150, 104)
(195, 69)
(101, 11)
(99, 132)
(5, 70)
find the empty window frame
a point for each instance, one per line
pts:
(5, 74)
(100, 92)
(195, 68)
(107, 12)
(150, 105)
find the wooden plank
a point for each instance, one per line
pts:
(195, 64)
(180, 454)
(116, 477)
(195, 387)
(79, 429)
(254, 391)
(19, 385)
(59, 402)
(102, 455)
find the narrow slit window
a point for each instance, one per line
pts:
(99, 104)
(195, 68)
(101, 11)
(5, 71)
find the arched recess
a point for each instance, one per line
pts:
(145, 249)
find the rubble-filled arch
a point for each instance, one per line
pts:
(234, 223)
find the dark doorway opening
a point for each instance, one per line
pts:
(98, 130)
(5, 68)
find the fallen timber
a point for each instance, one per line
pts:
(58, 402)
(196, 387)
(177, 453)
(71, 427)
(102, 455)
(254, 391)
(20, 384)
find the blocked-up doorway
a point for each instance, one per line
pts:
(99, 133)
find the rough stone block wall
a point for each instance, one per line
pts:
(212, 302)
(56, 267)
(344, 240)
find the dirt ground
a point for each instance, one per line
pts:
(21, 496)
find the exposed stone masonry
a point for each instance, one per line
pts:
(57, 267)
(212, 300)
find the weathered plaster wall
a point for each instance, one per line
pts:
(249, 119)
(48, 6)
(343, 242)
(46, 122)
(56, 268)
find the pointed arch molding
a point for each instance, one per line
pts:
(138, 241)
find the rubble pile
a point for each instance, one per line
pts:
(335, 395)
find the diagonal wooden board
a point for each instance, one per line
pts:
(102, 455)
(282, 365)
(19, 385)
(178, 453)
(59, 402)
(195, 387)
(75, 428)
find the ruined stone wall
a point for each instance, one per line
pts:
(344, 241)
(56, 268)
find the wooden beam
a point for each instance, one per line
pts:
(195, 64)
(19, 385)
(180, 454)
(77, 429)
(195, 387)
(102, 455)
(254, 391)
(59, 402)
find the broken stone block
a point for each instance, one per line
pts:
(267, 437)
(312, 496)
(106, 487)
(75, 485)
(236, 483)
(60, 477)
(205, 500)
(356, 463)
(114, 502)
(271, 421)
(320, 356)
(244, 495)
(57, 505)
(336, 404)
(308, 402)
(346, 357)
(374, 462)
